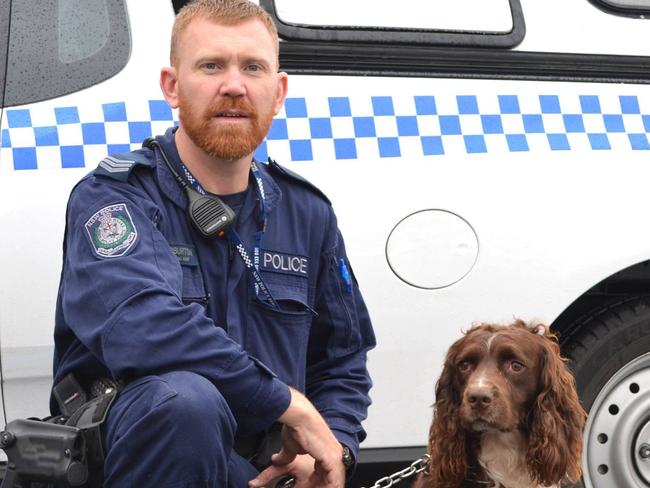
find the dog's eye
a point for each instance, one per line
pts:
(464, 366)
(516, 366)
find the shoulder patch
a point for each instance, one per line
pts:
(281, 170)
(120, 166)
(111, 231)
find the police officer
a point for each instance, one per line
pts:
(217, 340)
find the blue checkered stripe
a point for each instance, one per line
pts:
(76, 137)
(339, 128)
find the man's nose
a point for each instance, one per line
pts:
(232, 83)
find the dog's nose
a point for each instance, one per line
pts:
(480, 396)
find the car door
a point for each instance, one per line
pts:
(55, 59)
(5, 7)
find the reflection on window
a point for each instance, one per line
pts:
(70, 44)
(83, 28)
(463, 15)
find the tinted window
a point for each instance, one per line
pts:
(178, 4)
(4, 31)
(59, 47)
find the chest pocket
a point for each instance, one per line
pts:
(193, 288)
(279, 338)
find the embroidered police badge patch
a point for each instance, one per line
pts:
(279, 262)
(111, 231)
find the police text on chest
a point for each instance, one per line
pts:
(285, 263)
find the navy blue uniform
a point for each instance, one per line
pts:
(145, 299)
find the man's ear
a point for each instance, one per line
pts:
(281, 95)
(169, 85)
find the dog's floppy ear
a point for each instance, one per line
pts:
(447, 440)
(555, 446)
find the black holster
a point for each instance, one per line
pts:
(65, 450)
(258, 449)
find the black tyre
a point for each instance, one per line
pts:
(610, 355)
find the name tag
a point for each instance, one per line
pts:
(278, 262)
(186, 254)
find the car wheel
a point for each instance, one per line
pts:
(609, 353)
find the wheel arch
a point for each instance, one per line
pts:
(617, 288)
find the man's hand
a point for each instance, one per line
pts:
(305, 432)
(300, 469)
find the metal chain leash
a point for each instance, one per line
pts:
(416, 467)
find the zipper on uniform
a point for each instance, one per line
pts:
(202, 300)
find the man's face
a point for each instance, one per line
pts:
(227, 87)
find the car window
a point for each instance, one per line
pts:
(460, 15)
(4, 34)
(486, 23)
(178, 4)
(59, 47)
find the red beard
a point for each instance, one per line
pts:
(227, 142)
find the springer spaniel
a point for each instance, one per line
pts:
(507, 414)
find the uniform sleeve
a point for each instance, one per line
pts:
(337, 378)
(122, 299)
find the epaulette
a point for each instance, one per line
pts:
(276, 168)
(120, 166)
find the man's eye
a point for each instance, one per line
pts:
(210, 66)
(516, 366)
(253, 67)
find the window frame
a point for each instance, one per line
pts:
(329, 50)
(386, 35)
(470, 57)
(607, 7)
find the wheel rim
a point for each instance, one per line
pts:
(617, 434)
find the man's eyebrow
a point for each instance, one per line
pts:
(209, 58)
(219, 59)
(256, 60)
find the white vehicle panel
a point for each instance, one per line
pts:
(551, 176)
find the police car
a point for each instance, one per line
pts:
(486, 159)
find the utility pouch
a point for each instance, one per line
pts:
(89, 418)
(69, 395)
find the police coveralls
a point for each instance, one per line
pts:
(145, 299)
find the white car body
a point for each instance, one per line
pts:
(488, 224)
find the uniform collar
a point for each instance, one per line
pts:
(272, 192)
(176, 194)
(168, 184)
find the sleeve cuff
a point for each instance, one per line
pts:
(265, 407)
(349, 440)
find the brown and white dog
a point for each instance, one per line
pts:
(507, 414)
